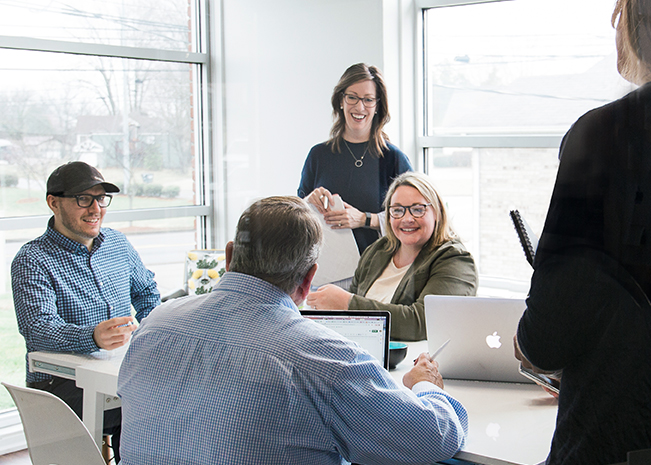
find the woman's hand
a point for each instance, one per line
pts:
(348, 218)
(318, 198)
(329, 297)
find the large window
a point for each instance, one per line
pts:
(121, 86)
(502, 82)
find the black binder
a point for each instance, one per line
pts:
(527, 238)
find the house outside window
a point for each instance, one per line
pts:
(121, 86)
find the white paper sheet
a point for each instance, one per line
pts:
(339, 255)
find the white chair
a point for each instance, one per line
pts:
(54, 433)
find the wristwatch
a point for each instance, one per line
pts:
(368, 220)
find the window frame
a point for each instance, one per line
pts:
(497, 140)
(204, 212)
(506, 140)
(209, 194)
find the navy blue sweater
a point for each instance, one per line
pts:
(362, 187)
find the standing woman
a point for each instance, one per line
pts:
(357, 162)
(588, 312)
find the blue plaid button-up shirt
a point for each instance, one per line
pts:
(238, 376)
(62, 290)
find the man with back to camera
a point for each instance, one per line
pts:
(73, 287)
(239, 376)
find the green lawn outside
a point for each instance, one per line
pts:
(16, 201)
(23, 202)
(12, 348)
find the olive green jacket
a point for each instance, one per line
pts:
(447, 270)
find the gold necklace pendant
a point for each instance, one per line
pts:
(358, 162)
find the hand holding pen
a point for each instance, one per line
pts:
(321, 198)
(425, 369)
(437, 352)
(324, 200)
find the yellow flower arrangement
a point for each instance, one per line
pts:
(204, 269)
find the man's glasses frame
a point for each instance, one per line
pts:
(368, 102)
(86, 200)
(398, 211)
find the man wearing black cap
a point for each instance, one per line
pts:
(74, 286)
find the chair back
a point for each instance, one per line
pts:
(55, 434)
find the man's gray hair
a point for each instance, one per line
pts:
(278, 239)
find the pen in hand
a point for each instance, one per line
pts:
(325, 201)
(437, 352)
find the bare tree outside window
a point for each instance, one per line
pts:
(133, 118)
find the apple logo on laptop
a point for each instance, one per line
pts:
(493, 341)
(493, 431)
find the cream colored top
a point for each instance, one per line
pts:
(385, 286)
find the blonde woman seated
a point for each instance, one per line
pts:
(420, 255)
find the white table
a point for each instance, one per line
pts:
(96, 374)
(509, 423)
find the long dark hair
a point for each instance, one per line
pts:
(377, 142)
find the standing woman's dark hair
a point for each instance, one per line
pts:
(356, 73)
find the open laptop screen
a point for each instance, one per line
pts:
(370, 329)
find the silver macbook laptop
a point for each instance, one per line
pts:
(480, 330)
(369, 328)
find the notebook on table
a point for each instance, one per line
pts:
(480, 330)
(369, 328)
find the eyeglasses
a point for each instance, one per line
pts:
(368, 102)
(86, 200)
(417, 210)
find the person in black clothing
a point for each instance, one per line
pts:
(588, 312)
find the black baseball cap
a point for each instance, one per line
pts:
(75, 177)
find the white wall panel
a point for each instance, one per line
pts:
(281, 60)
